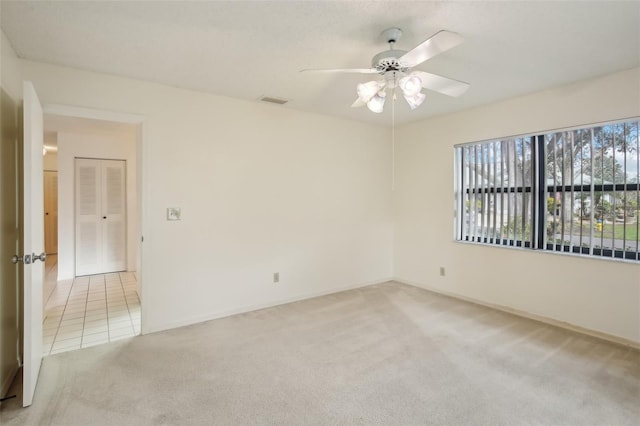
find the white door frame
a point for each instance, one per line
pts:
(141, 197)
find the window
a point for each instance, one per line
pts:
(574, 190)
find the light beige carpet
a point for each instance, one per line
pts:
(386, 354)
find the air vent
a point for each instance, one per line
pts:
(273, 100)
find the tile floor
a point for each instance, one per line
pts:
(91, 310)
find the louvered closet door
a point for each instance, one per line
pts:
(100, 216)
(88, 232)
(113, 216)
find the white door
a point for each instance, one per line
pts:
(33, 258)
(100, 216)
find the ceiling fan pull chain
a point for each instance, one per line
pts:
(393, 140)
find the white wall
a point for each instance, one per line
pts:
(262, 189)
(600, 295)
(70, 146)
(10, 69)
(265, 189)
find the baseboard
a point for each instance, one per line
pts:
(6, 385)
(540, 318)
(255, 307)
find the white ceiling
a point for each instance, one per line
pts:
(247, 49)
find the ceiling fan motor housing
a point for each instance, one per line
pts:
(388, 61)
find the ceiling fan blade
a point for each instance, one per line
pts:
(434, 45)
(444, 85)
(358, 103)
(345, 70)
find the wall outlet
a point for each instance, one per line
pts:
(276, 277)
(442, 271)
(173, 213)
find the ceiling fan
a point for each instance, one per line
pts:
(395, 65)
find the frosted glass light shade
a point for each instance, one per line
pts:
(411, 85)
(367, 90)
(376, 104)
(416, 100)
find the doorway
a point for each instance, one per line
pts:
(50, 211)
(50, 189)
(89, 306)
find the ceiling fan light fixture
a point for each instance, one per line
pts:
(411, 85)
(366, 91)
(376, 103)
(394, 66)
(416, 100)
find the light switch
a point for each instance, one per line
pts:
(173, 213)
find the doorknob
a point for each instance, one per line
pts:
(29, 258)
(26, 259)
(41, 258)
